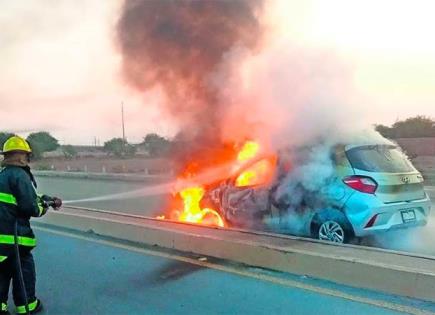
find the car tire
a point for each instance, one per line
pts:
(331, 225)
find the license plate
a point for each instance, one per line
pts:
(408, 216)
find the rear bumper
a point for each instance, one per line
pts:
(360, 210)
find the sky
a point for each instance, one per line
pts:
(61, 70)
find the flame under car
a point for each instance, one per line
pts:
(373, 188)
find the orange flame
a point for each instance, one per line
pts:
(249, 150)
(259, 173)
(192, 211)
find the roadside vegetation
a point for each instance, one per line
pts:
(40, 142)
(415, 127)
(153, 146)
(119, 147)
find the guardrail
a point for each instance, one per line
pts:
(397, 273)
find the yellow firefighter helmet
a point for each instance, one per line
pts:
(16, 143)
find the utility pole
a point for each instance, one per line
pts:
(123, 125)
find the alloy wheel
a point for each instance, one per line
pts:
(331, 231)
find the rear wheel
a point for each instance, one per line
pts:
(332, 226)
(331, 231)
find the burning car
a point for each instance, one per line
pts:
(371, 188)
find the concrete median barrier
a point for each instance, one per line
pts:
(391, 272)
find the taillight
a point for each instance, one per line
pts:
(361, 183)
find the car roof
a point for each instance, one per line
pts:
(352, 146)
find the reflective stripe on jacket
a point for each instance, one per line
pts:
(18, 203)
(8, 198)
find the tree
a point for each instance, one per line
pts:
(119, 147)
(69, 151)
(385, 131)
(41, 142)
(419, 126)
(156, 145)
(415, 127)
(3, 137)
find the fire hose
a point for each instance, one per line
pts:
(47, 202)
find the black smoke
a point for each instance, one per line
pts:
(180, 46)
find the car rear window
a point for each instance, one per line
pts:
(379, 158)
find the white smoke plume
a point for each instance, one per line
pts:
(418, 240)
(302, 98)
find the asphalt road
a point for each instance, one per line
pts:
(77, 274)
(413, 240)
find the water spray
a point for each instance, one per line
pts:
(210, 176)
(143, 192)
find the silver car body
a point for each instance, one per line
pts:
(399, 201)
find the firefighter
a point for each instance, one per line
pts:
(19, 202)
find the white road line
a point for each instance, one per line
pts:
(245, 273)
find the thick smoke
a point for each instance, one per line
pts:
(226, 78)
(418, 240)
(303, 99)
(178, 46)
(314, 184)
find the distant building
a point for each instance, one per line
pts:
(82, 151)
(142, 150)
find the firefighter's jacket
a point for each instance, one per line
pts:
(18, 202)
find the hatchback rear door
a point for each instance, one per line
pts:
(397, 178)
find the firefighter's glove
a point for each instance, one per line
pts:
(43, 206)
(44, 209)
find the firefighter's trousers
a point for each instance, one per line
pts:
(9, 271)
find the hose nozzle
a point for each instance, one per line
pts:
(53, 202)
